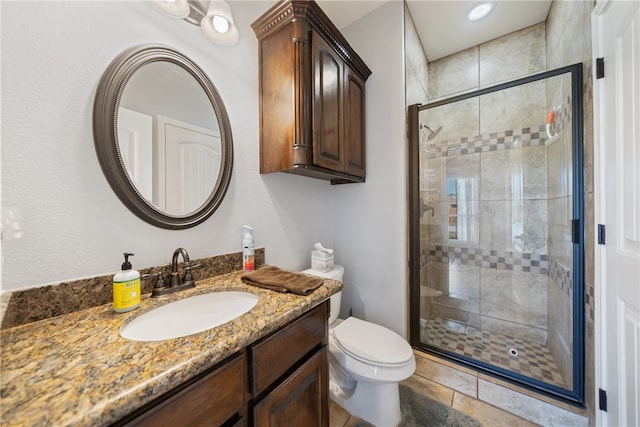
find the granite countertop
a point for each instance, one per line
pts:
(76, 369)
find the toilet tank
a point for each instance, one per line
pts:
(336, 274)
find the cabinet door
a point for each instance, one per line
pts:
(327, 106)
(354, 123)
(300, 400)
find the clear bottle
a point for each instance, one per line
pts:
(126, 287)
(248, 258)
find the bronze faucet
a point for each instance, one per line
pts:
(175, 282)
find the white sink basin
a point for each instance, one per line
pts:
(189, 316)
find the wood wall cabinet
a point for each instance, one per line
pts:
(312, 95)
(281, 380)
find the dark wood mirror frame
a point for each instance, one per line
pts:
(105, 135)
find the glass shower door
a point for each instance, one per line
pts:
(494, 226)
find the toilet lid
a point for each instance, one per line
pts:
(371, 342)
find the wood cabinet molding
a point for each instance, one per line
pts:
(286, 12)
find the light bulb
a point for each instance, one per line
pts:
(220, 24)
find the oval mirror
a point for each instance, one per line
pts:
(162, 137)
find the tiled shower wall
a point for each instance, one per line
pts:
(416, 65)
(568, 41)
(494, 146)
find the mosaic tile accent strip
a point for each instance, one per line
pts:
(424, 257)
(532, 359)
(488, 258)
(33, 304)
(561, 275)
(496, 141)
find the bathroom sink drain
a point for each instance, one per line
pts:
(513, 352)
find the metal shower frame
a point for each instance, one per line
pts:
(575, 395)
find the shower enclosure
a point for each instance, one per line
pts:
(496, 231)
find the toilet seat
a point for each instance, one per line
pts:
(371, 343)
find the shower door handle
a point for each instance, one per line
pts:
(575, 231)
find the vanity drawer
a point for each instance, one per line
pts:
(210, 401)
(276, 354)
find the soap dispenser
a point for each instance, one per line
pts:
(248, 258)
(126, 287)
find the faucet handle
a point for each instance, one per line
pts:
(160, 283)
(188, 275)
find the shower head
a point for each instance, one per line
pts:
(433, 133)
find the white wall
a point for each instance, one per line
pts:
(53, 55)
(370, 218)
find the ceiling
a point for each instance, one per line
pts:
(442, 24)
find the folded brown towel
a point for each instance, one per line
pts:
(278, 280)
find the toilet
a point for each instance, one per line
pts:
(366, 363)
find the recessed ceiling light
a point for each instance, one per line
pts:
(480, 11)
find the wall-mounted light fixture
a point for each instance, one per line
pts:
(214, 17)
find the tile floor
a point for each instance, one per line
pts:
(490, 401)
(532, 359)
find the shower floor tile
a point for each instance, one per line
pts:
(532, 359)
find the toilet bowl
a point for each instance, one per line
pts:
(366, 363)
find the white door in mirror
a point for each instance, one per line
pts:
(135, 138)
(189, 316)
(189, 165)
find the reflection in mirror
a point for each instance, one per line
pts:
(169, 138)
(162, 137)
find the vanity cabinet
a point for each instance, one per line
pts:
(312, 95)
(280, 380)
(289, 374)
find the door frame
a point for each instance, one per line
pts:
(607, 353)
